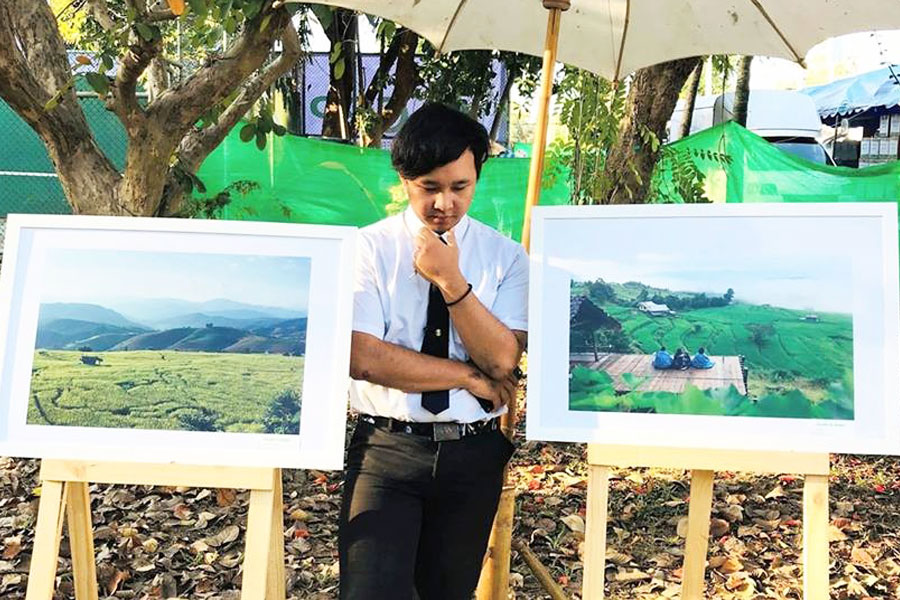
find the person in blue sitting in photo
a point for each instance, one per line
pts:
(701, 360)
(681, 360)
(662, 359)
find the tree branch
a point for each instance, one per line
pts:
(181, 106)
(132, 64)
(100, 11)
(155, 16)
(406, 80)
(384, 68)
(198, 144)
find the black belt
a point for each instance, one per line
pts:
(439, 432)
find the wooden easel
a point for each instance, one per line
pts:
(64, 488)
(702, 463)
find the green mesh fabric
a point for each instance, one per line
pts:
(310, 181)
(734, 165)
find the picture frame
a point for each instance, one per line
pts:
(796, 305)
(175, 340)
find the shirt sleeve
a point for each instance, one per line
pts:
(368, 311)
(511, 304)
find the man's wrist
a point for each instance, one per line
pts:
(454, 288)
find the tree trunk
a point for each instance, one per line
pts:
(651, 100)
(691, 100)
(338, 104)
(742, 90)
(406, 79)
(502, 106)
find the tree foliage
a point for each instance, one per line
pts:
(283, 414)
(615, 132)
(197, 95)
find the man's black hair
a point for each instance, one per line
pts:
(434, 136)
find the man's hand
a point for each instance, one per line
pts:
(439, 263)
(499, 393)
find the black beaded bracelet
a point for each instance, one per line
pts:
(461, 298)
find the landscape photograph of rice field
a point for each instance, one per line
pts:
(170, 341)
(772, 341)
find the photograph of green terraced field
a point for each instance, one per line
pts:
(758, 359)
(171, 341)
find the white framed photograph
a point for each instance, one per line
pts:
(175, 341)
(735, 326)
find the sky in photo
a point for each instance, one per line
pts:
(103, 276)
(799, 263)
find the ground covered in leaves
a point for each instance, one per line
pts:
(155, 543)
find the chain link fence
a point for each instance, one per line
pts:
(28, 181)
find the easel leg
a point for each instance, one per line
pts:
(259, 544)
(595, 532)
(81, 540)
(815, 537)
(696, 545)
(275, 579)
(42, 574)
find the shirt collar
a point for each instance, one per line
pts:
(413, 224)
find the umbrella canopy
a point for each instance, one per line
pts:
(615, 37)
(876, 89)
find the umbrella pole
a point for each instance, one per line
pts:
(539, 146)
(494, 581)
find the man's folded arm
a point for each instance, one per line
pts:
(390, 365)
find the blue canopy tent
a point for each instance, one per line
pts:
(876, 91)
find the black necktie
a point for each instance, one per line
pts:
(436, 343)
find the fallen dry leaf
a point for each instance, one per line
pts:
(574, 522)
(12, 546)
(859, 556)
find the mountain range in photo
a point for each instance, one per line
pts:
(170, 324)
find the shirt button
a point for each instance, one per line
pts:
(437, 333)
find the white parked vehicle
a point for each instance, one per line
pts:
(785, 118)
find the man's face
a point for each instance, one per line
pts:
(441, 197)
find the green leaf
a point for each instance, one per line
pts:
(247, 132)
(98, 82)
(324, 14)
(339, 69)
(264, 125)
(230, 25)
(106, 62)
(147, 32)
(335, 53)
(265, 22)
(260, 140)
(197, 183)
(279, 130)
(52, 102)
(198, 7)
(252, 8)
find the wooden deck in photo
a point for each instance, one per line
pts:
(725, 372)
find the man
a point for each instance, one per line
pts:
(440, 320)
(701, 360)
(662, 359)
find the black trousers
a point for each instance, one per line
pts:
(416, 514)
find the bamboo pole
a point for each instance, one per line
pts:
(494, 581)
(538, 149)
(540, 571)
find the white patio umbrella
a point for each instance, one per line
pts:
(613, 38)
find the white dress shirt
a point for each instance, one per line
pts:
(391, 301)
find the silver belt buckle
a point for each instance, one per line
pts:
(445, 432)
